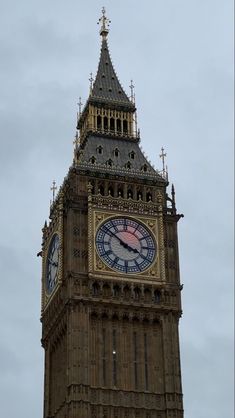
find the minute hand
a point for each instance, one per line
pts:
(124, 244)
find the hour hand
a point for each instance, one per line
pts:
(128, 247)
(132, 249)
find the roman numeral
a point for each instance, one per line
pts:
(106, 231)
(144, 237)
(114, 226)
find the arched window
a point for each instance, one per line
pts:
(157, 296)
(116, 152)
(140, 195)
(95, 289)
(127, 292)
(112, 124)
(109, 162)
(92, 160)
(147, 295)
(116, 290)
(137, 293)
(125, 126)
(130, 194)
(99, 122)
(101, 190)
(110, 191)
(132, 155)
(99, 149)
(128, 165)
(149, 197)
(119, 128)
(105, 123)
(106, 290)
(120, 192)
(144, 167)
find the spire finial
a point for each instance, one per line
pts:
(104, 22)
(53, 189)
(163, 155)
(76, 141)
(173, 195)
(91, 79)
(132, 92)
(80, 105)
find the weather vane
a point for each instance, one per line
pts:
(104, 22)
(53, 189)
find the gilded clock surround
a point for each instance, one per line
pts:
(125, 244)
(55, 227)
(52, 263)
(98, 266)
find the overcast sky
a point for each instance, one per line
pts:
(179, 54)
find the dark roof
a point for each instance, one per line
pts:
(107, 85)
(118, 156)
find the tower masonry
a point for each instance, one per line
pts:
(111, 292)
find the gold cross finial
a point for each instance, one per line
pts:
(163, 155)
(132, 92)
(53, 189)
(104, 22)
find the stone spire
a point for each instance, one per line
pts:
(106, 86)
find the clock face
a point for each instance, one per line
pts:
(125, 245)
(52, 263)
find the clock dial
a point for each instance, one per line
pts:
(52, 263)
(125, 245)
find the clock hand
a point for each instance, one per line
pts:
(127, 246)
(115, 236)
(124, 244)
(132, 249)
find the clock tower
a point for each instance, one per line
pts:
(110, 271)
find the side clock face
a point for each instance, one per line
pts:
(52, 263)
(125, 245)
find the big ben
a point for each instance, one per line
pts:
(111, 292)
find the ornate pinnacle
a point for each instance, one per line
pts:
(76, 141)
(104, 24)
(173, 195)
(132, 92)
(91, 79)
(80, 106)
(53, 189)
(163, 155)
